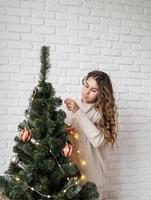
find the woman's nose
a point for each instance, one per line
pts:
(87, 91)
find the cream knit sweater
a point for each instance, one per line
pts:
(91, 143)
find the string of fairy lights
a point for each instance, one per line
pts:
(15, 160)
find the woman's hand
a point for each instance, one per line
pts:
(71, 105)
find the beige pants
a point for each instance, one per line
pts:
(100, 191)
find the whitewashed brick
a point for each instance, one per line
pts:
(138, 90)
(10, 52)
(9, 19)
(3, 11)
(79, 57)
(145, 3)
(101, 59)
(33, 21)
(19, 45)
(78, 26)
(2, 111)
(80, 11)
(88, 34)
(130, 23)
(131, 53)
(120, 30)
(43, 30)
(15, 3)
(55, 23)
(121, 45)
(11, 36)
(32, 4)
(101, 43)
(110, 52)
(139, 32)
(69, 49)
(57, 39)
(43, 14)
(120, 15)
(123, 60)
(110, 21)
(146, 18)
(32, 37)
(54, 6)
(89, 19)
(109, 36)
(91, 51)
(131, 82)
(20, 61)
(2, 27)
(129, 2)
(146, 25)
(100, 12)
(18, 28)
(67, 17)
(21, 77)
(130, 39)
(66, 32)
(18, 11)
(71, 2)
(136, 9)
(4, 77)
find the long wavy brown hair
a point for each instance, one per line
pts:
(105, 104)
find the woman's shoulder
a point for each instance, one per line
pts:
(90, 110)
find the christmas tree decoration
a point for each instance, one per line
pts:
(15, 159)
(67, 150)
(24, 135)
(69, 129)
(41, 167)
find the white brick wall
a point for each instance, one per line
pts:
(111, 35)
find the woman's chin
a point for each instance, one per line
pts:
(86, 100)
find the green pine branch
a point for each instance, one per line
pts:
(44, 59)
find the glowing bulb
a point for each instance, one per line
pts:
(68, 178)
(76, 182)
(76, 136)
(32, 189)
(27, 116)
(64, 191)
(48, 196)
(17, 179)
(83, 177)
(78, 151)
(70, 163)
(83, 163)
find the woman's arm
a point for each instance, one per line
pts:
(94, 135)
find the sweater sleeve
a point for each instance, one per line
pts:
(94, 135)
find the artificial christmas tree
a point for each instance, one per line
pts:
(41, 167)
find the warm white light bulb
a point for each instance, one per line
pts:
(78, 151)
(83, 177)
(76, 136)
(17, 179)
(83, 163)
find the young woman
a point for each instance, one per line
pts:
(94, 120)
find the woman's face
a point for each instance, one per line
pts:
(90, 90)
